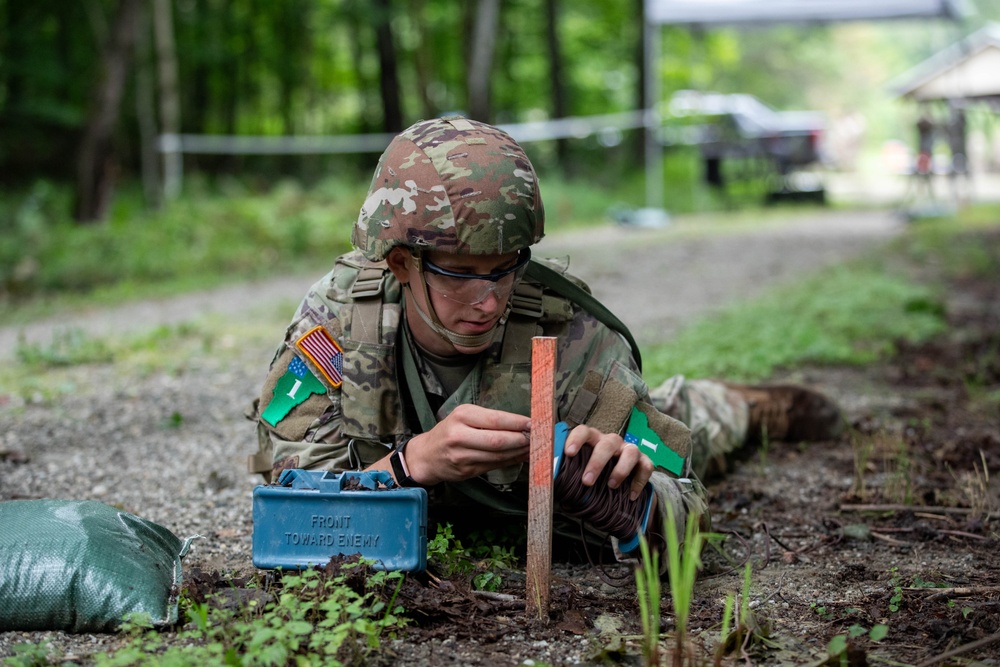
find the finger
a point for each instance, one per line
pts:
(607, 446)
(488, 419)
(578, 437)
(644, 470)
(628, 457)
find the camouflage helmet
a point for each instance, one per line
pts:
(451, 184)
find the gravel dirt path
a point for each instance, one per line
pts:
(168, 442)
(655, 280)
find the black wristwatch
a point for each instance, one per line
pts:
(399, 470)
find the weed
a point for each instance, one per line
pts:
(315, 618)
(863, 446)
(68, 347)
(484, 562)
(647, 584)
(683, 562)
(29, 655)
(896, 599)
(974, 488)
(897, 465)
(822, 611)
(838, 646)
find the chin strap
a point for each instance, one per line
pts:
(457, 339)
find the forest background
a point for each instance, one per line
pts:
(87, 87)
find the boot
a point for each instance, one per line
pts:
(789, 412)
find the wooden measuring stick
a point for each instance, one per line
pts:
(539, 563)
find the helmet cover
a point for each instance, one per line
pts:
(455, 185)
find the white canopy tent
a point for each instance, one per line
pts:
(967, 70)
(751, 13)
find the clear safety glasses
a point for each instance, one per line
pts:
(473, 288)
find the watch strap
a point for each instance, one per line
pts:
(399, 470)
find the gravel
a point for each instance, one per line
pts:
(170, 444)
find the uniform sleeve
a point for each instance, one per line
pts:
(299, 417)
(599, 384)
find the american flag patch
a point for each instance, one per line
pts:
(322, 350)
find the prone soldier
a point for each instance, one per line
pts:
(412, 355)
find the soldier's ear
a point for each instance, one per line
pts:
(399, 262)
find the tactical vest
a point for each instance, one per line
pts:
(367, 313)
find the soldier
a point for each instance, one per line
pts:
(413, 354)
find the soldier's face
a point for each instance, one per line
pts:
(453, 313)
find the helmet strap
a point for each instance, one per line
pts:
(462, 340)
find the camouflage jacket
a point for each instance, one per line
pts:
(351, 423)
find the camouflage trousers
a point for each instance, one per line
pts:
(717, 416)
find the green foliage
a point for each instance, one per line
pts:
(202, 238)
(485, 561)
(838, 645)
(684, 559)
(850, 314)
(896, 599)
(68, 347)
(313, 619)
(29, 655)
(647, 584)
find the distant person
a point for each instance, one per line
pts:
(957, 144)
(924, 168)
(413, 356)
(925, 144)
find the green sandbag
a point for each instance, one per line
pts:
(80, 566)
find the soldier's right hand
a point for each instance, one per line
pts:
(472, 440)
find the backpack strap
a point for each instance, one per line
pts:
(567, 288)
(366, 297)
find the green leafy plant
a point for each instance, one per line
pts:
(68, 347)
(838, 646)
(484, 562)
(314, 617)
(647, 584)
(896, 599)
(30, 655)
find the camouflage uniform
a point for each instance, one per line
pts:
(362, 407)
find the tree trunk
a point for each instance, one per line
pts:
(96, 163)
(170, 106)
(639, 136)
(422, 61)
(145, 113)
(392, 110)
(556, 78)
(484, 37)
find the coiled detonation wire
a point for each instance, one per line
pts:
(601, 507)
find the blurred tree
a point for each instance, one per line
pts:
(392, 110)
(557, 80)
(97, 165)
(480, 72)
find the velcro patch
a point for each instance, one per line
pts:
(327, 355)
(639, 433)
(293, 388)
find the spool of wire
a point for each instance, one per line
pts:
(601, 507)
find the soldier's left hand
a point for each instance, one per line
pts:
(607, 446)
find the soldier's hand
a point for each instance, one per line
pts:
(605, 447)
(470, 441)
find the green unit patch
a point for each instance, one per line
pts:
(649, 443)
(294, 387)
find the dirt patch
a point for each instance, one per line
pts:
(820, 523)
(894, 525)
(922, 424)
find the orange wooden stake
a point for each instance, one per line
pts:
(539, 563)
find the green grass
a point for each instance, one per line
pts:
(850, 314)
(232, 230)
